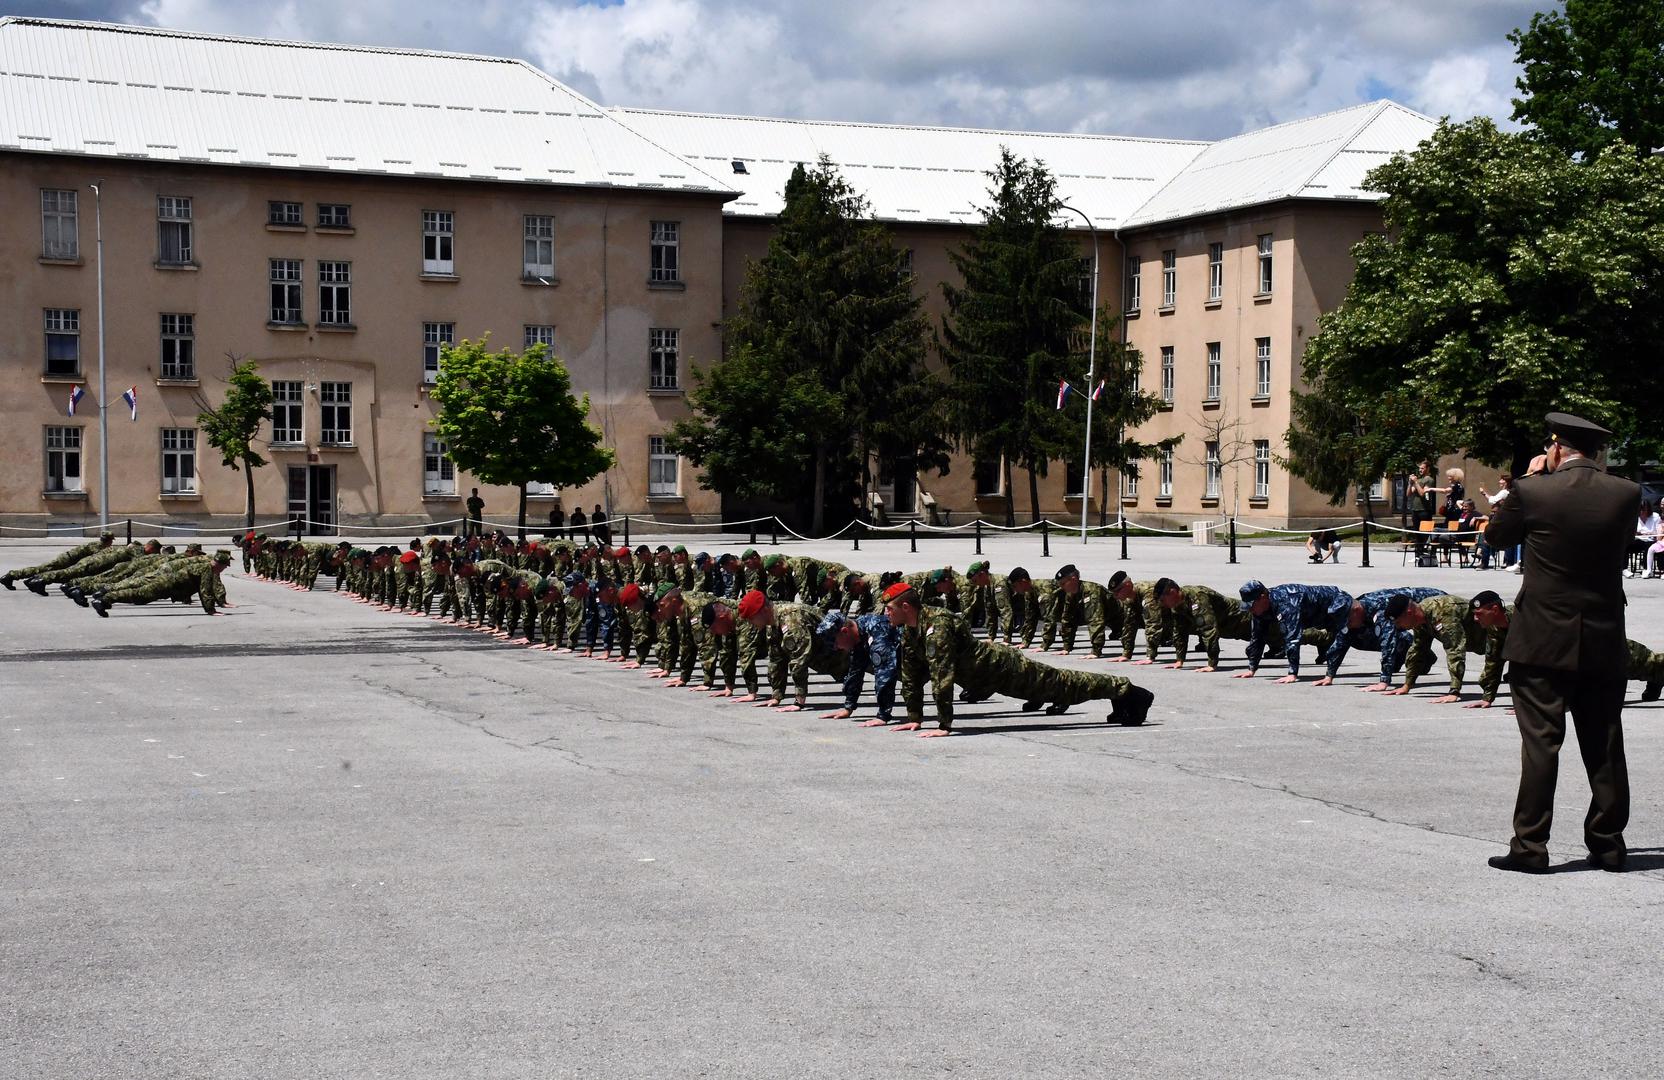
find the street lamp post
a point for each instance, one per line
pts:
(1091, 375)
(103, 406)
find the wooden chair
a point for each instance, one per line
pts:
(1418, 542)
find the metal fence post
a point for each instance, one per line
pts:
(1365, 562)
(753, 534)
(855, 534)
(1123, 534)
(129, 530)
(913, 536)
(979, 536)
(774, 532)
(1233, 538)
(1045, 538)
(626, 530)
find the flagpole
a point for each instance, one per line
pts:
(1091, 376)
(103, 407)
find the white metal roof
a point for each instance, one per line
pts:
(135, 92)
(1321, 157)
(913, 174)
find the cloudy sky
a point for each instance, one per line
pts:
(1177, 68)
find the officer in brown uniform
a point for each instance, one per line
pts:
(1567, 650)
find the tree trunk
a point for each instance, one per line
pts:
(1010, 500)
(248, 500)
(1034, 492)
(1523, 453)
(818, 514)
(522, 511)
(1103, 495)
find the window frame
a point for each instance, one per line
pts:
(294, 288)
(1262, 367)
(292, 406)
(1216, 272)
(664, 351)
(658, 455)
(1263, 247)
(664, 262)
(334, 405)
(1211, 471)
(1164, 475)
(1215, 371)
(64, 453)
(1169, 375)
(335, 292)
(439, 243)
(180, 458)
(63, 326)
(325, 212)
(435, 336)
(285, 214)
(55, 220)
(1169, 277)
(1135, 283)
(532, 334)
(533, 236)
(1262, 468)
(178, 340)
(436, 463)
(175, 215)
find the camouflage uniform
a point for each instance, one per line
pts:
(1209, 615)
(96, 563)
(925, 584)
(875, 651)
(191, 577)
(1645, 665)
(1295, 608)
(1451, 622)
(1092, 605)
(1132, 615)
(66, 559)
(793, 650)
(1378, 633)
(1020, 611)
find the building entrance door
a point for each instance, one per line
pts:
(312, 497)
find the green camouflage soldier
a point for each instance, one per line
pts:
(713, 633)
(1131, 596)
(66, 559)
(132, 569)
(1074, 601)
(781, 583)
(682, 570)
(937, 588)
(816, 578)
(853, 595)
(1461, 626)
(976, 597)
(194, 577)
(1646, 665)
(636, 609)
(1173, 614)
(790, 630)
(668, 610)
(1021, 603)
(94, 564)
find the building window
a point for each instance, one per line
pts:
(1164, 488)
(1135, 377)
(336, 407)
(538, 335)
(663, 469)
(1211, 472)
(666, 251)
(286, 282)
(334, 293)
(539, 248)
(438, 470)
(1071, 478)
(178, 346)
(58, 235)
(988, 476)
(1378, 490)
(63, 459)
(1167, 374)
(1262, 469)
(1216, 271)
(1262, 367)
(662, 347)
(1214, 371)
(1169, 277)
(334, 216)
(287, 423)
(435, 336)
(179, 461)
(1135, 282)
(63, 341)
(285, 213)
(1129, 481)
(1265, 263)
(173, 229)
(438, 237)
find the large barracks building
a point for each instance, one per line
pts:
(338, 213)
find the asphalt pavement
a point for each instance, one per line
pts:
(311, 839)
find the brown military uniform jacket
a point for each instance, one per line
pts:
(1576, 524)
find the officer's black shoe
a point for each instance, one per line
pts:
(1612, 863)
(1032, 706)
(36, 586)
(1131, 711)
(1654, 687)
(102, 608)
(1055, 709)
(1517, 864)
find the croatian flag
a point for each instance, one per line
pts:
(131, 396)
(1099, 392)
(75, 396)
(1063, 389)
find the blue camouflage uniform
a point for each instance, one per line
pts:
(1378, 633)
(875, 652)
(1294, 608)
(600, 621)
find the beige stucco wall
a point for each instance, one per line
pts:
(602, 308)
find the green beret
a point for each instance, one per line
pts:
(665, 589)
(678, 550)
(748, 553)
(976, 568)
(772, 561)
(937, 576)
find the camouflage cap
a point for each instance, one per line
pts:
(193, 548)
(106, 535)
(1251, 590)
(222, 556)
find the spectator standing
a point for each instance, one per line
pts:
(580, 524)
(598, 524)
(1421, 507)
(476, 511)
(557, 522)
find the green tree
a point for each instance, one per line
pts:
(1119, 410)
(1512, 280)
(828, 329)
(231, 426)
(1337, 445)
(511, 418)
(1009, 334)
(1593, 75)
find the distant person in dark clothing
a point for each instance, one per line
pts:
(1323, 544)
(580, 524)
(476, 508)
(598, 523)
(557, 522)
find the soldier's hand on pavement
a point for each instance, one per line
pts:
(1117, 659)
(1289, 679)
(1142, 663)
(1398, 691)
(1327, 680)
(1208, 670)
(911, 725)
(1480, 704)
(934, 733)
(1178, 665)
(874, 723)
(788, 708)
(744, 697)
(1376, 688)
(836, 714)
(766, 703)
(1243, 675)
(1447, 699)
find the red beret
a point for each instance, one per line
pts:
(751, 603)
(899, 591)
(410, 557)
(629, 594)
(622, 553)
